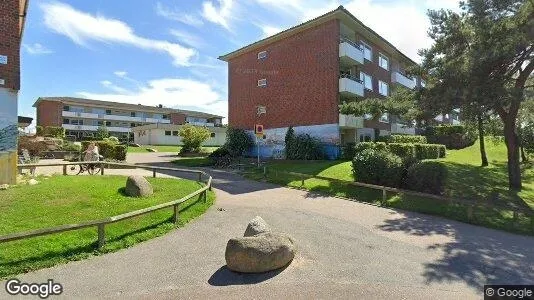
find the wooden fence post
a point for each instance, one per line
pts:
(302, 182)
(384, 197)
(64, 169)
(515, 219)
(154, 173)
(205, 196)
(199, 177)
(101, 236)
(470, 213)
(102, 167)
(176, 215)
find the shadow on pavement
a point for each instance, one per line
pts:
(224, 277)
(476, 256)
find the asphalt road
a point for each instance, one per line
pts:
(346, 250)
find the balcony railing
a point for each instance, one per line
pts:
(95, 128)
(350, 53)
(397, 77)
(401, 128)
(349, 121)
(350, 85)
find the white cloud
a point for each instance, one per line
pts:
(269, 30)
(188, 39)
(37, 49)
(120, 73)
(170, 92)
(220, 15)
(110, 85)
(176, 15)
(82, 27)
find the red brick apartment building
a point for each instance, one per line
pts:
(82, 117)
(299, 76)
(12, 19)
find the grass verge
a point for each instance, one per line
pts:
(73, 199)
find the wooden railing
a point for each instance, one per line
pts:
(469, 203)
(100, 224)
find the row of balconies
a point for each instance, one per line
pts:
(353, 122)
(95, 128)
(113, 117)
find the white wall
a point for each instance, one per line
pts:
(157, 137)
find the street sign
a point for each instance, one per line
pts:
(258, 130)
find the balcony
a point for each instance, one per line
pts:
(401, 79)
(123, 118)
(402, 129)
(350, 53)
(350, 86)
(153, 120)
(74, 114)
(349, 121)
(94, 128)
(201, 124)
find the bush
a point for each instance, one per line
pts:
(219, 152)
(378, 167)
(369, 145)
(193, 137)
(401, 138)
(51, 131)
(108, 150)
(402, 149)
(237, 141)
(452, 136)
(304, 147)
(348, 151)
(427, 177)
(70, 146)
(112, 139)
(430, 151)
(102, 132)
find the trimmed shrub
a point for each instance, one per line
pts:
(51, 131)
(402, 138)
(452, 136)
(427, 177)
(381, 146)
(402, 149)
(237, 141)
(70, 146)
(304, 147)
(108, 150)
(112, 139)
(430, 151)
(378, 167)
(348, 151)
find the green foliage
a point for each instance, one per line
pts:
(452, 136)
(304, 147)
(430, 151)
(51, 131)
(405, 138)
(108, 150)
(348, 151)
(112, 139)
(70, 146)
(427, 177)
(102, 132)
(238, 141)
(192, 138)
(381, 146)
(378, 167)
(402, 149)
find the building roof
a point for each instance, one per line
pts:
(338, 13)
(24, 121)
(127, 106)
(23, 10)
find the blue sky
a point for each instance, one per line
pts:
(165, 52)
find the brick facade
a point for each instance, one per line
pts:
(10, 43)
(177, 118)
(49, 113)
(302, 81)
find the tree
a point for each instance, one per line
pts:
(237, 141)
(482, 58)
(193, 137)
(102, 132)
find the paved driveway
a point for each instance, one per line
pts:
(346, 250)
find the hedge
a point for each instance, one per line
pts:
(402, 149)
(452, 136)
(378, 167)
(369, 145)
(401, 138)
(57, 132)
(108, 150)
(430, 151)
(427, 177)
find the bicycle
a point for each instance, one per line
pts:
(91, 168)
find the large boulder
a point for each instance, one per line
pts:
(257, 226)
(260, 253)
(138, 186)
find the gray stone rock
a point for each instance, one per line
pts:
(257, 226)
(151, 150)
(4, 187)
(260, 253)
(138, 186)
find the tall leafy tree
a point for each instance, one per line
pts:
(482, 59)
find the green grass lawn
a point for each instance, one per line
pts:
(164, 148)
(72, 199)
(466, 180)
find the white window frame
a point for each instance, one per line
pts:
(380, 82)
(362, 78)
(262, 55)
(364, 46)
(381, 58)
(262, 82)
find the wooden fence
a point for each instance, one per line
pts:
(100, 224)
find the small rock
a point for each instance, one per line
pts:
(33, 182)
(256, 226)
(260, 253)
(151, 150)
(4, 187)
(138, 186)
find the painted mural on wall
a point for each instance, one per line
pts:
(273, 145)
(8, 124)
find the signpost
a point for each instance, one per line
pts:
(258, 131)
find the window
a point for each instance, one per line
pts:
(165, 117)
(212, 134)
(175, 133)
(367, 81)
(383, 88)
(132, 114)
(132, 124)
(108, 111)
(108, 123)
(65, 121)
(158, 116)
(66, 108)
(262, 55)
(167, 132)
(99, 111)
(384, 118)
(367, 52)
(262, 82)
(383, 61)
(77, 109)
(76, 122)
